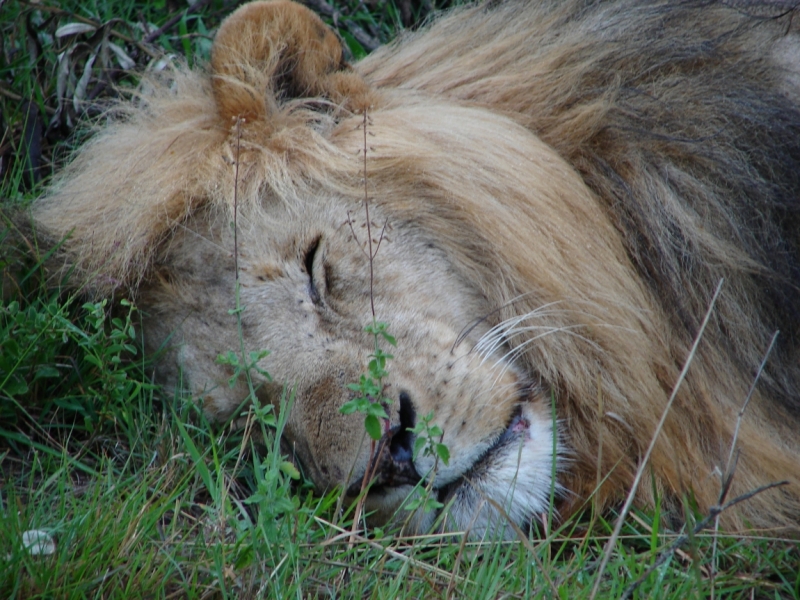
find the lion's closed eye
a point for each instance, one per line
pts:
(315, 269)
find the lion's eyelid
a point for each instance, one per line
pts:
(309, 256)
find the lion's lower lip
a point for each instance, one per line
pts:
(516, 426)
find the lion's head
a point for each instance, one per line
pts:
(527, 259)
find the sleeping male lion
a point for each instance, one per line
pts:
(564, 184)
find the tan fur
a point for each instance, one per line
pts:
(542, 175)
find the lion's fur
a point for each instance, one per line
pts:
(666, 157)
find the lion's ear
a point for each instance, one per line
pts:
(268, 52)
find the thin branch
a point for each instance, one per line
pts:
(733, 456)
(236, 199)
(381, 236)
(747, 401)
(643, 464)
(714, 512)
(369, 228)
(4, 91)
(355, 235)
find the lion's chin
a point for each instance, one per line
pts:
(513, 482)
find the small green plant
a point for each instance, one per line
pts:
(80, 365)
(27, 352)
(425, 444)
(242, 367)
(370, 399)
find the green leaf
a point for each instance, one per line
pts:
(431, 504)
(373, 426)
(198, 459)
(419, 444)
(414, 504)
(375, 409)
(289, 469)
(257, 356)
(376, 369)
(444, 453)
(94, 360)
(11, 348)
(265, 414)
(45, 371)
(230, 358)
(348, 408)
(15, 386)
(263, 373)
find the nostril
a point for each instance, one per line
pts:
(393, 463)
(402, 444)
(408, 417)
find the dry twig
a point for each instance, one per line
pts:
(713, 514)
(646, 458)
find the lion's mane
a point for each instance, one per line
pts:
(682, 121)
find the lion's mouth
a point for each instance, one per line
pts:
(512, 479)
(392, 465)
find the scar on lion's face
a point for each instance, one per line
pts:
(554, 190)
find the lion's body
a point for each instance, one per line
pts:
(565, 184)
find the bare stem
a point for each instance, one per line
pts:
(369, 227)
(236, 198)
(714, 513)
(746, 402)
(730, 466)
(646, 458)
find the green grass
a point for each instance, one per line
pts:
(142, 497)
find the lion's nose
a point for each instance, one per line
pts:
(401, 444)
(393, 463)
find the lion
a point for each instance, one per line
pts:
(584, 217)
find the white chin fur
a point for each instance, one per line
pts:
(513, 483)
